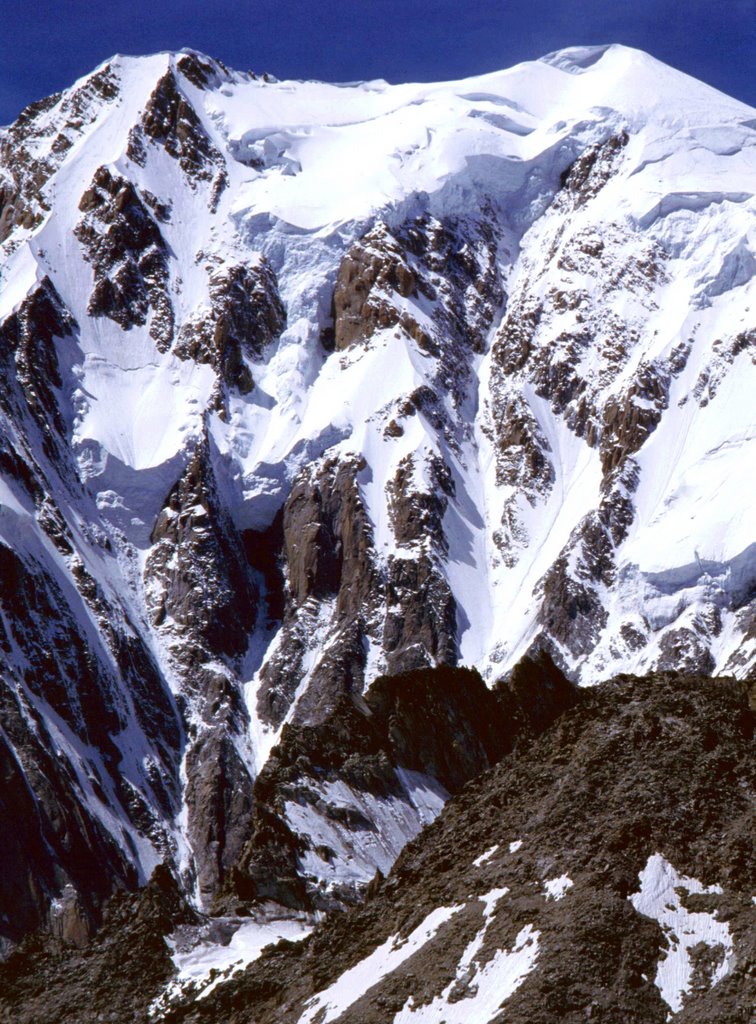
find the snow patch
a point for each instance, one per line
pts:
(659, 899)
(557, 887)
(485, 856)
(329, 1004)
(352, 833)
(484, 987)
(206, 964)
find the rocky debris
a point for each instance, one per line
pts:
(122, 241)
(111, 979)
(546, 850)
(246, 314)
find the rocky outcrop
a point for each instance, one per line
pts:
(35, 145)
(585, 178)
(332, 594)
(170, 121)
(437, 281)
(27, 349)
(575, 316)
(246, 314)
(421, 613)
(122, 241)
(196, 574)
(202, 71)
(395, 753)
(374, 269)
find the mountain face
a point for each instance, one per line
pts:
(306, 386)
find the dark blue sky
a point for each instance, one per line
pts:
(44, 45)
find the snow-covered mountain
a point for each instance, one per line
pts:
(303, 384)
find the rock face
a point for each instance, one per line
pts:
(203, 598)
(304, 387)
(122, 241)
(337, 800)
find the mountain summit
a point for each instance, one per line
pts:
(305, 385)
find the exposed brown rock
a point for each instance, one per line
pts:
(374, 268)
(327, 546)
(639, 766)
(442, 722)
(171, 121)
(197, 571)
(246, 314)
(585, 178)
(27, 348)
(123, 243)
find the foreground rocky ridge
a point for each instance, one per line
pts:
(303, 385)
(541, 862)
(532, 889)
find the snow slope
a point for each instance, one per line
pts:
(470, 365)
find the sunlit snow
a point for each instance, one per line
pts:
(659, 898)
